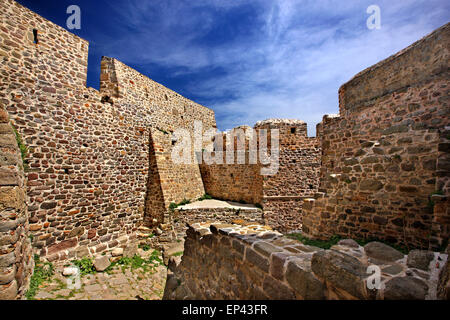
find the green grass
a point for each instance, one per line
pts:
(86, 266)
(444, 246)
(204, 197)
(138, 262)
(43, 271)
(23, 148)
(324, 244)
(174, 205)
(144, 247)
(327, 244)
(162, 130)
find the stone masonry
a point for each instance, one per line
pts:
(254, 262)
(93, 155)
(99, 167)
(16, 263)
(280, 194)
(384, 167)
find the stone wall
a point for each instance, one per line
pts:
(281, 194)
(89, 151)
(386, 154)
(16, 262)
(297, 176)
(176, 222)
(254, 262)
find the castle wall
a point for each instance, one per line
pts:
(236, 262)
(16, 262)
(233, 182)
(380, 155)
(88, 155)
(281, 193)
(297, 176)
(166, 111)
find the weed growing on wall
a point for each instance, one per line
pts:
(174, 205)
(43, 271)
(23, 148)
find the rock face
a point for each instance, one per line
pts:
(101, 263)
(382, 252)
(231, 261)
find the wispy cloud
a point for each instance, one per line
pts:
(276, 58)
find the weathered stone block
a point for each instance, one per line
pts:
(9, 291)
(101, 263)
(266, 248)
(256, 259)
(381, 251)
(420, 259)
(342, 271)
(405, 288)
(277, 290)
(63, 245)
(303, 281)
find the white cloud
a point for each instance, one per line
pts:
(291, 64)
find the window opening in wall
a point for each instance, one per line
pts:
(292, 130)
(66, 171)
(35, 36)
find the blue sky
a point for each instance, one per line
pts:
(248, 60)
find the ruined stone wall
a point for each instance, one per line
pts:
(88, 154)
(165, 111)
(380, 155)
(177, 221)
(234, 262)
(16, 262)
(281, 193)
(297, 176)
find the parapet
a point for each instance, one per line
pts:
(421, 62)
(286, 126)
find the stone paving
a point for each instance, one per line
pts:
(117, 284)
(214, 203)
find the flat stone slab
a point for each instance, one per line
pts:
(216, 204)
